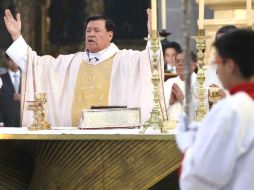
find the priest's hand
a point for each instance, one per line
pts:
(172, 99)
(149, 21)
(13, 26)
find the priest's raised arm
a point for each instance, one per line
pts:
(100, 75)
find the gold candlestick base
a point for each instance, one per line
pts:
(37, 107)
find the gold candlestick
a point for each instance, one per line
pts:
(155, 121)
(200, 45)
(37, 107)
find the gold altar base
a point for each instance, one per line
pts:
(155, 121)
(200, 45)
(90, 162)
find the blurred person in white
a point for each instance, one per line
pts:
(219, 151)
(174, 88)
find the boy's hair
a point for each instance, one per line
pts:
(225, 30)
(174, 45)
(238, 45)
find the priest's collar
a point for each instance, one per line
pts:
(96, 58)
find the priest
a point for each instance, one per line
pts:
(100, 75)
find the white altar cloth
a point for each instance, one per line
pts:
(74, 133)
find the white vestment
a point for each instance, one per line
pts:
(219, 156)
(130, 82)
(177, 108)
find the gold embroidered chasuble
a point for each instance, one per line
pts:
(92, 87)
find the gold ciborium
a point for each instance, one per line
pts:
(37, 107)
(213, 95)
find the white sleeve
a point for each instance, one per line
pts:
(18, 52)
(1, 82)
(185, 136)
(209, 161)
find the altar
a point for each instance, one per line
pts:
(85, 159)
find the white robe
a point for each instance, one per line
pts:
(220, 155)
(130, 82)
(177, 108)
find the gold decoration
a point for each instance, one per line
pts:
(37, 107)
(156, 120)
(200, 44)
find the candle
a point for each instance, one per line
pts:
(201, 12)
(154, 15)
(163, 15)
(249, 13)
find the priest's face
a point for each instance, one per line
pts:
(97, 36)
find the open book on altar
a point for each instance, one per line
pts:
(108, 117)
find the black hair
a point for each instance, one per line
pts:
(193, 55)
(109, 24)
(176, 46)
(238, 45)
(225, 30)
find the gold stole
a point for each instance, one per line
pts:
(92, 87)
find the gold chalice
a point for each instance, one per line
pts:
(37, 107)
